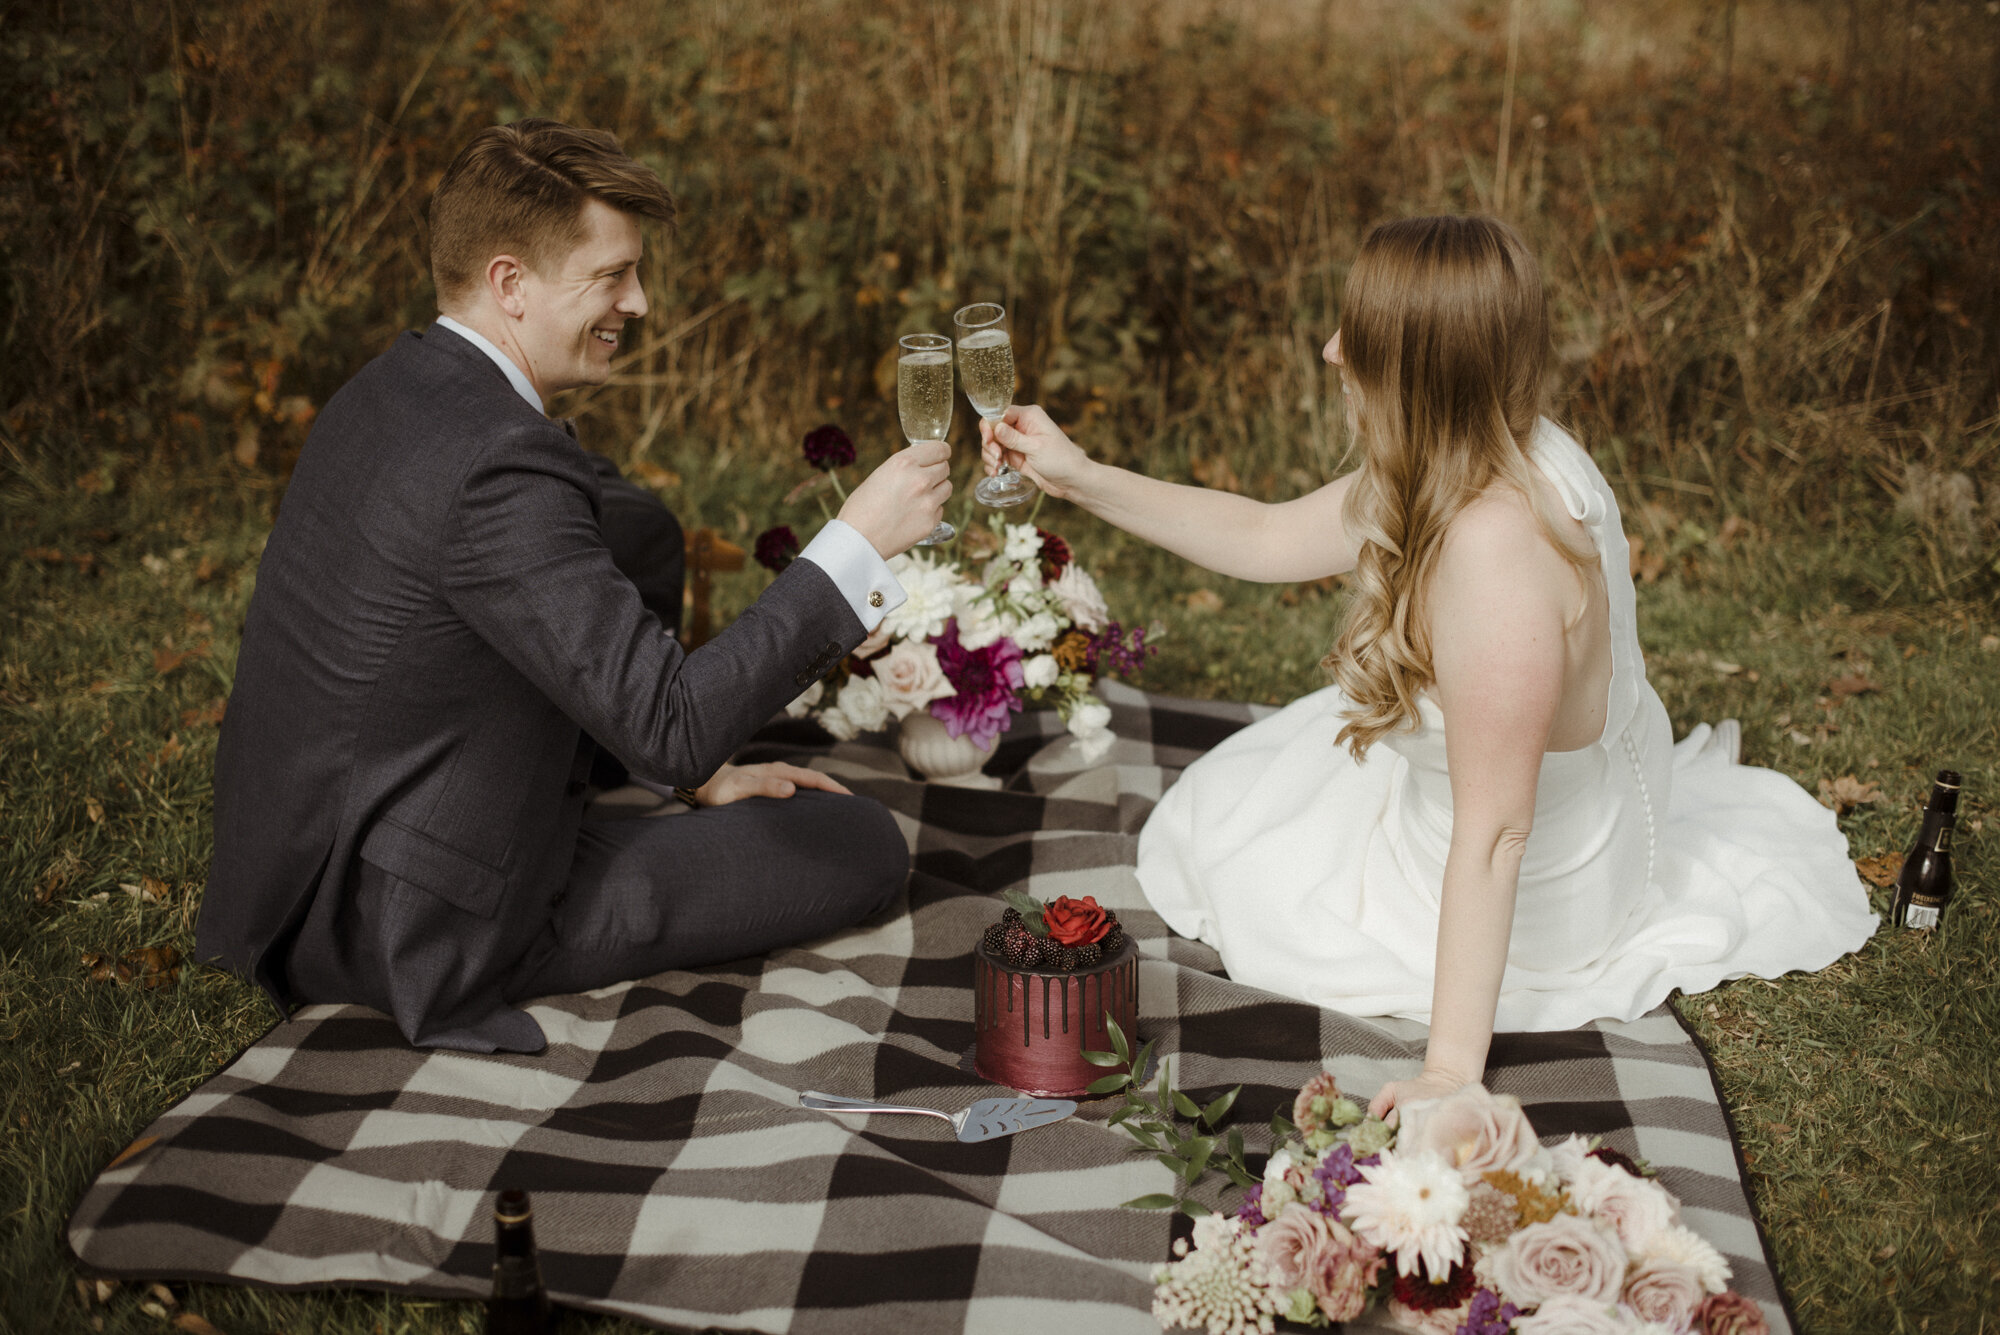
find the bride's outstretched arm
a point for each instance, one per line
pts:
(1296, 540)
(1496, 616)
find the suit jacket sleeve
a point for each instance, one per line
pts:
(528, 569)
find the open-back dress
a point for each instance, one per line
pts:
(1651, 866)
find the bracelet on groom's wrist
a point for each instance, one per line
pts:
(687, 795)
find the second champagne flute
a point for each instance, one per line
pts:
(986, 366)
(923, 401)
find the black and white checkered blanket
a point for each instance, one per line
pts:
(676, 1180)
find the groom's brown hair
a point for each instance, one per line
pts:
(519, 189)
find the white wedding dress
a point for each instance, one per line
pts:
(1651, 866)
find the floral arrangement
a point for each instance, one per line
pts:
(1066, 934)
(1000, 618)
(1459, 1222)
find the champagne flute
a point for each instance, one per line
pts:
(986, 366)
(923, 401)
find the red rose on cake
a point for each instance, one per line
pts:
(1076, 922)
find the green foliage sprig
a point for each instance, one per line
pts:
(1148, 1115)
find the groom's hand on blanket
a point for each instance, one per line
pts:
(903, 499)
(1429, 1085)
(734, 782)
(1028, 441)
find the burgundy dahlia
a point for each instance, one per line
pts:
(987, 682)
(828, 447)
(776, 547)
(1055, 556)
(1422, 1294)
(1605, 1154)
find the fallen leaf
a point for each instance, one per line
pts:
(248, 441)
(166, 660)
(1204, 600)
(1846, 793)
(1799, 738)
(209, 716)
(195, 1325)
(154, 1310)
(153, 967)
(1778, 1128)
(155, 565)
(46, 555)
(205, 569)
(1880, 871)
(1734, 527)
(1886, 1252)
(1856, 684)
(1726, 668)
(1989, 644)
(57, 875)
(170, 750)
(105, 1288)
(132, 1151)
(164, 1294)
(94, 809)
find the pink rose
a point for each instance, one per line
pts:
(1289, 1245)
(1730, 1313)
(1637, 1209)
(911, 678)
(1571, 1315)
(1566, 1255)
(1347, 1266)
(1664, 1292)
(1476, 1132)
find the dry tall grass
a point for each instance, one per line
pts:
(1770, 227)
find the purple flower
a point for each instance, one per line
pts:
(986, 681)
(776, 547)
(1251, 1213)
(828, 447)
(1487, 1315)
(1336, 1173)
(1120, 652)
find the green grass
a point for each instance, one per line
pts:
(1863, 1093)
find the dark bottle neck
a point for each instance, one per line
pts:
(1944, 795)
(513, 1237)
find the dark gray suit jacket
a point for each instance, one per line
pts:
(438, 630)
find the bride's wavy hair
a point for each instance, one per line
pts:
(1445, 337)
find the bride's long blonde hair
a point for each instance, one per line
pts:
(1444, 334)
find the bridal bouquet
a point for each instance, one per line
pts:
(1460, 1223)
(1007, 618)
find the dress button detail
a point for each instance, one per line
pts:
(875, 598)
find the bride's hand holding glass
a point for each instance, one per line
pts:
(1026, 439)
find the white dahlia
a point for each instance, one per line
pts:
(1412, 1205)
(1685, 1247)
(931, 598)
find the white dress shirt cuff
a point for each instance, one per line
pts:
(857, 570)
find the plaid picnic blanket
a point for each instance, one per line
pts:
(677, 1181)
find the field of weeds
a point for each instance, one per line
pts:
(1772, 237)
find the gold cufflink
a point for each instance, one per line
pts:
(875, 598)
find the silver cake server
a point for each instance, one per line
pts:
(984, 1120)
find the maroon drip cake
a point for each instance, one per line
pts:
(1040, 997)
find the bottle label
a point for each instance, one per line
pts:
(1920, 915)
(1944, 840)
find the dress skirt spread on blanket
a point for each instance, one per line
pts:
(1651, 865)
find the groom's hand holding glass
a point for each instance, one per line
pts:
(899, 503)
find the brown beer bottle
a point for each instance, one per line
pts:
(519, 1305)
(1923, 886)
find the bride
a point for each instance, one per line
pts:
(1560, 860)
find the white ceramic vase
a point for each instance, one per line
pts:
(931, 751)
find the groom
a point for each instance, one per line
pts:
(458, 606)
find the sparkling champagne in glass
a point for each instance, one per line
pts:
(923, 400)
(986, 367)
